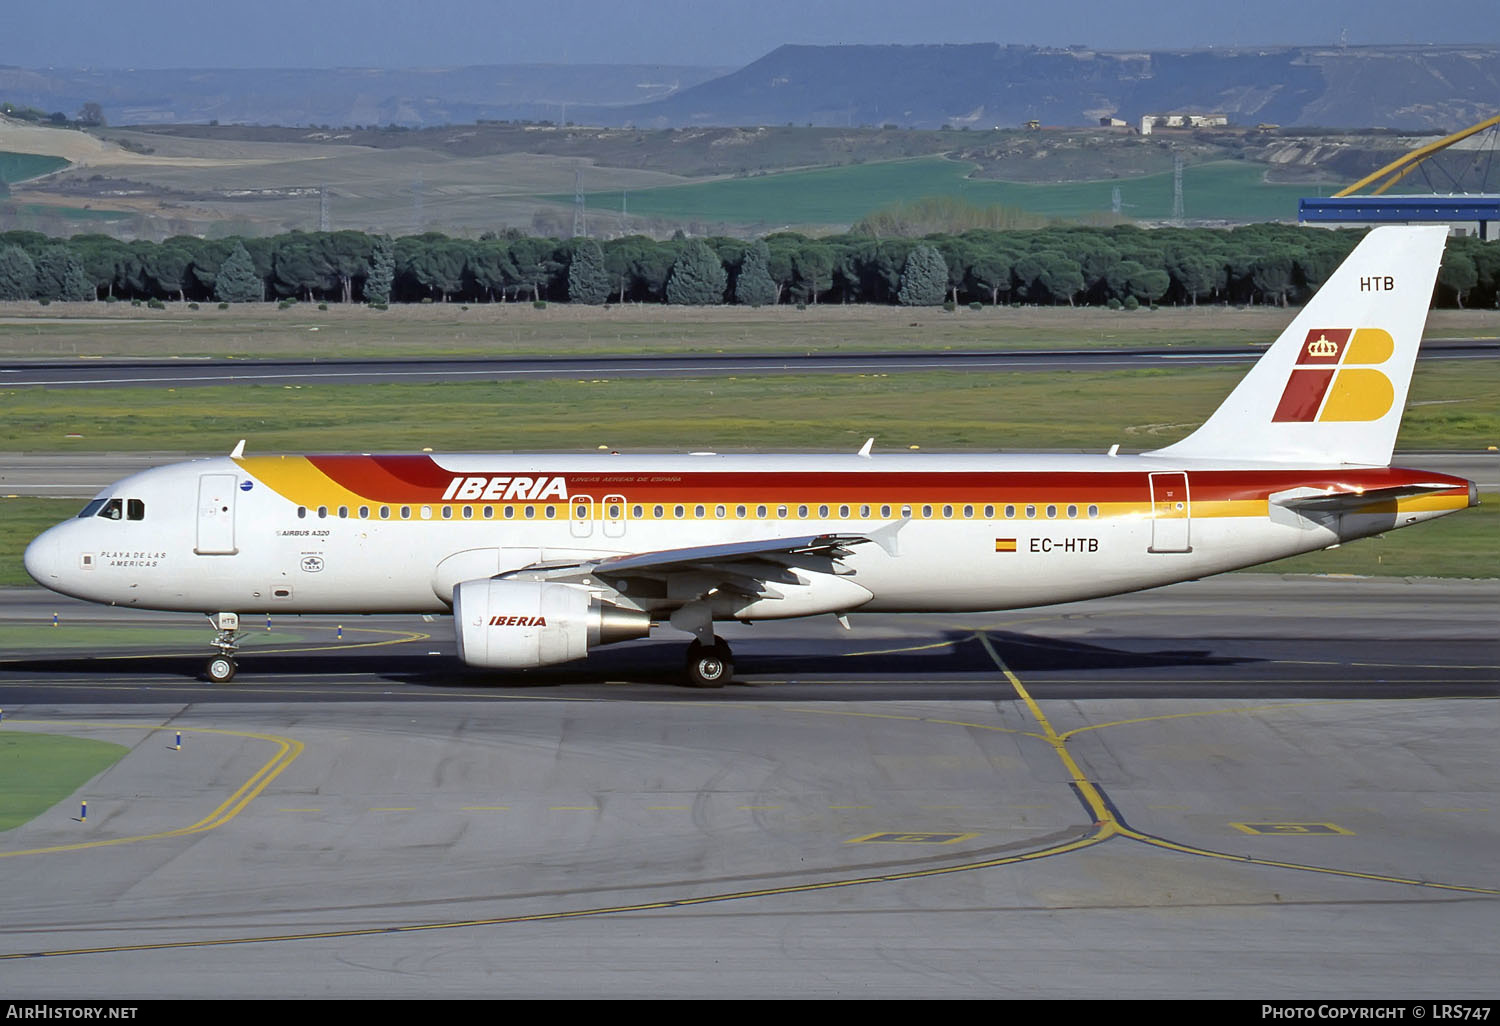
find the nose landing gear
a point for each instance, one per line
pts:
(221, 667)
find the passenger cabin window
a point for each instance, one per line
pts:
(301, 512)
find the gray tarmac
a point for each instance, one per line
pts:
(1247, 787)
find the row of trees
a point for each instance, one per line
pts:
(1265, 263)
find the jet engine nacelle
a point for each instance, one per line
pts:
(517, 624)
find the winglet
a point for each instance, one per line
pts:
(865, 449)
(885, 536)
(239, 451)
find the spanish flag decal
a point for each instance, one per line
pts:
(1005, 545)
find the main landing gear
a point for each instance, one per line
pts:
(709, 666)
(221, 667)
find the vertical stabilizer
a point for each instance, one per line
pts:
(1333, 387)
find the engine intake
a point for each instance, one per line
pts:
(518, 624)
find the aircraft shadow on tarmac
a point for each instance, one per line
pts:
(945, 655)
(951, 664)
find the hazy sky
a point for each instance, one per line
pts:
(417, 33)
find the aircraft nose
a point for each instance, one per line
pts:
(43, 557)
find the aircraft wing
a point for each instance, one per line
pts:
(833, 546)
(804, 571)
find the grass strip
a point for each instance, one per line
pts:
(428, 330)
(1453, 405)
(39, 770)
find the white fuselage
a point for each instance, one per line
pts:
(375, 534)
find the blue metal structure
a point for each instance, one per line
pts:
(1476, 209)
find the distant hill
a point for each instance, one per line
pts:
(978, 85)
(984, 85)
(411, 97)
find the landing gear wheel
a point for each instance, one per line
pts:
(709, 666)
(221, 669)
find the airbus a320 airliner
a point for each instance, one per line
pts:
(542, 557)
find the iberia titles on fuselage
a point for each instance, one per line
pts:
(542, 557)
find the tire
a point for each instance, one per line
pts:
(709, 666)
(221, 669)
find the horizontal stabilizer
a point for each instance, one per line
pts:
(1321, 501)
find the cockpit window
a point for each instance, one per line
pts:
(135, 509)
(91, 509)
(114, 509)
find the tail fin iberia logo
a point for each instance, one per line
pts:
(1331, 357)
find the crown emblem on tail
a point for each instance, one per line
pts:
(1321, 346)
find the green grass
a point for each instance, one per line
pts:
(1453, 406)
(251, 330)
(49, 210)
(259, 330)
(18, 167)
(39, 770)
(22, 520)
(1229, 190)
